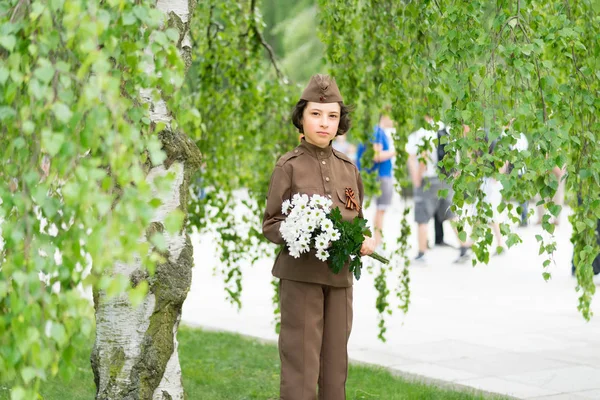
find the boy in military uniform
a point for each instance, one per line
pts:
(316, 305)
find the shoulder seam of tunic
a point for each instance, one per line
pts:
(342, 156)
(288, 156)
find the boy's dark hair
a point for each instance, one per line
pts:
(343, 127)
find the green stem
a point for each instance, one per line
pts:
(379, 258)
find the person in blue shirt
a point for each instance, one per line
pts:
(383, 147)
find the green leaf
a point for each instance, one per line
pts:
(155, 202)
(555, 209)
(550, 228)
(462, 236)
(58, 333)
(513, 239)
(546, 276)
(103, 205)
(172, 34)
(50, 208)
(158, 240)
(138, 294)
(128, 18)
(117, 285)
(141, 12)
(28, 127)
(173, 221)
(20, 277)
(3, 290)
(52, 142)
(3, 75)
(157, 155)
(8, 42)
(580, 226)
(18, 393)
(45, 72)
(16, 76)
(7, 113)
(527, 49)
(57, 5)
(62, 112)
(28, 374)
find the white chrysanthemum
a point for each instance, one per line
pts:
(319, 217)
(285, 207)
(288, 225)
(297, 231)
(322, 255)
(304, 239)
(294, 214)
(300, 199)
(284, 227)
(294, 250)
(327, 203)
(304, 248)
(291, 232)
(322, 241)
(311, 225)
(318, 201)
(326, 225)
(334, 235)
(309, 212)
(291, 237)
(286, 233)
(304, 226)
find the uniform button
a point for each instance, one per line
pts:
(321, 153)
(295, 151)
(323, 162)
(329, 195)
(327, 179)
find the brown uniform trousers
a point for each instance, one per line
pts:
(315, 326)
(316, 305)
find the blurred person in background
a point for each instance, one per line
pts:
(423, 170)
(383, 147)
(340, 143)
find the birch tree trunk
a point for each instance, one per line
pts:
(135, 353)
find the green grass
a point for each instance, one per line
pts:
(224, 366)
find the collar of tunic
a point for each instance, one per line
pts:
(316, 151)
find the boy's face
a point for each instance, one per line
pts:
(320, 122)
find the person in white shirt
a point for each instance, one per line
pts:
(423, 169)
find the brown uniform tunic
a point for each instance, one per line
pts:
(316, 304)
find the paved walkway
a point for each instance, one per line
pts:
(499, 327)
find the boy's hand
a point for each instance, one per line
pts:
(368, 246)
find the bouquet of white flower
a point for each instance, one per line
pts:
(311, 223)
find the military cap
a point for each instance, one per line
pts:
(321, 89)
